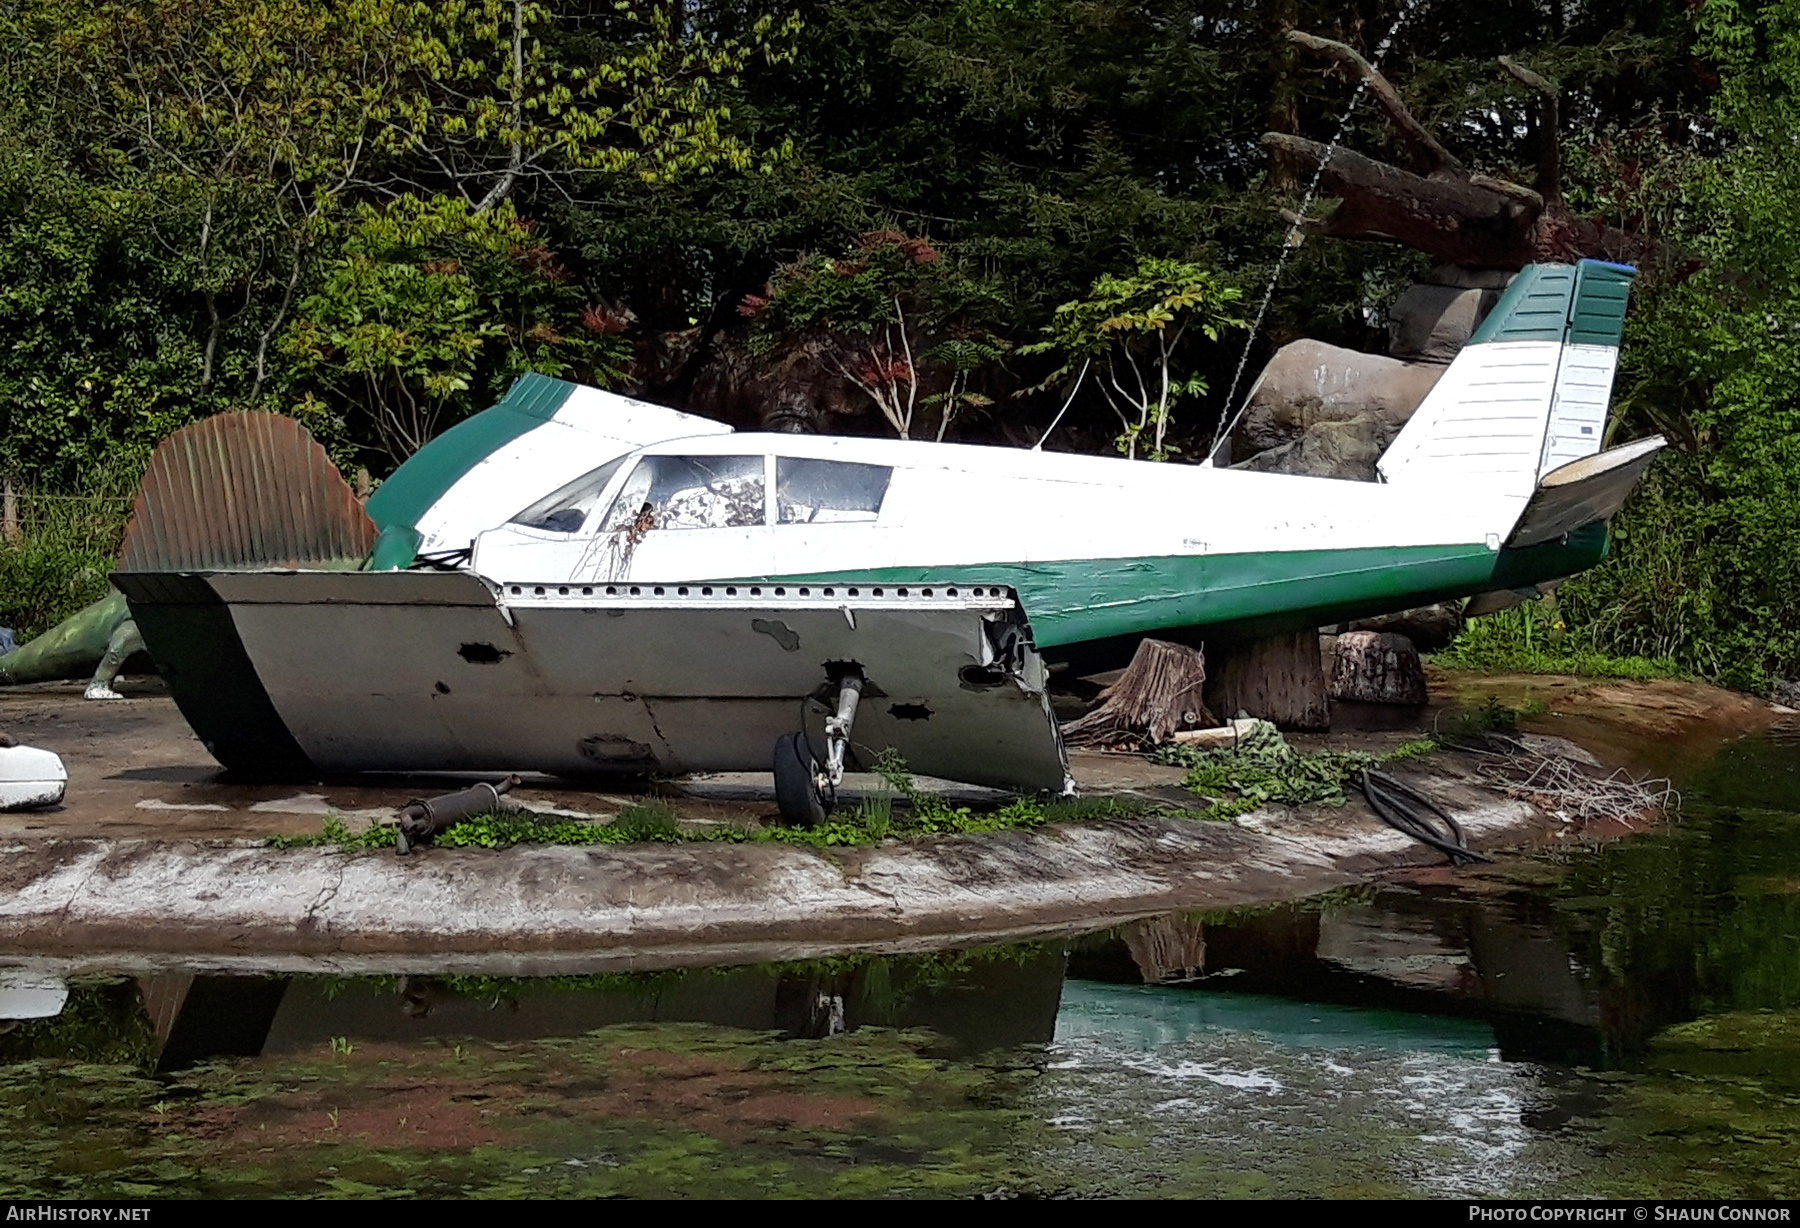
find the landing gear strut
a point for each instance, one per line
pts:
(805, 789)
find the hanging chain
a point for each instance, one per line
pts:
(1227, 420)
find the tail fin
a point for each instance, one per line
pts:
(1530, 390)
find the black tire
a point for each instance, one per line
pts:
(796, 790)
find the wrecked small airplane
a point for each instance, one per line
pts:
(575, 582)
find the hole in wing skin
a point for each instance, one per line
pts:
(482, 654)
(909, 712)
(780, 632)
(980, 677)
(614, 750)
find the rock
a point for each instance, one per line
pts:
(1346, 450)
(1431, 323)
(1464, 278)
(1377, 667)
(1785, 694)
(1308, 382)
(1429, 627)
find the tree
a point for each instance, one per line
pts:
(518, 93)
(1706, 566)
(889, 316)
(428, 301)
(247, 121)
(1128, 332)
(1450, 211)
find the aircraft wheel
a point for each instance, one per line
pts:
(797, 782)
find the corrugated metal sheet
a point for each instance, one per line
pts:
(243, 490)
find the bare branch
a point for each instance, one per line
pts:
(1549, 175)
(1512, 191)
(1443, 163)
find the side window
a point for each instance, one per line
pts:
(827, 491)
(566, 510)
(690, 492)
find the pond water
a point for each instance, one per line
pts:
(1593, 1020)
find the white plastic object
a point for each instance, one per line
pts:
(28, 995)
(30, 777)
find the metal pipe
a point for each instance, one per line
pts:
(423, 818)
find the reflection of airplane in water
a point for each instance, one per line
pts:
(574, 582)
(974, 1005)
(1406, 973)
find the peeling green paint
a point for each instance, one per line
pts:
(1080, 600)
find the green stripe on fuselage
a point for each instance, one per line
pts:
(423, 477)
(1079, 601)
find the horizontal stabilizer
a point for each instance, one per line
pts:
(1583, 492)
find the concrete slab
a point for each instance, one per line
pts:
(157, 858)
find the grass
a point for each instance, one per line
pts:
(1531, 639)
(872, 821)
(67, 544)
(1263, 769)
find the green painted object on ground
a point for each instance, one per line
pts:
(71, 649)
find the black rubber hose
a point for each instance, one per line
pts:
(1395, 785)
(1411, 812)
(1400, 813)
(1457, 847)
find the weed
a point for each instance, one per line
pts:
(873, 819)
(341, 1046)
(1531, 639)
(337, 832)
(1491, 717)
(59, 564)
(1262, 768)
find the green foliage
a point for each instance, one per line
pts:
(872, 821)
(635, 824)
(66, 548)
(102, 1022)
(430, 309)
(335, 832)
(1131, 329)
(176, 178)
(1263, 769)
(1492, 716)
(910, 318)
(1706, 564)
(624, 86)
(1532, 638)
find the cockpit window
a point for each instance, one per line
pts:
(828, 491)
(566, 509)
(690, 492)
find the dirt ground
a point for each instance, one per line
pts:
(157, 856)
(137, 772)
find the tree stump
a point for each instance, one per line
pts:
(1280, 680)
(1159, 692)
(1377, 667)
(1167, 948)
